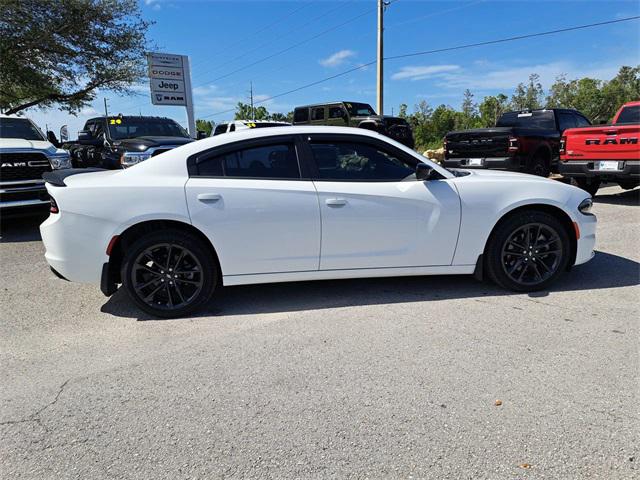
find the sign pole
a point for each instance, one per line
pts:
(191, 119)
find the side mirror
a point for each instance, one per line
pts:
(85, 138)
(201, 134)
(425, 173)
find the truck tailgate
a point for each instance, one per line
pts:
(615, 142)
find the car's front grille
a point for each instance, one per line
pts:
(23, 166)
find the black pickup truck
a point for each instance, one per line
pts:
(123, 141)
(526, 141)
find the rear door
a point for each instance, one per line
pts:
(257, 206)
(375, 214)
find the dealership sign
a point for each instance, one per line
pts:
(170, 82)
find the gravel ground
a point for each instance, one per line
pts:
(433, 377)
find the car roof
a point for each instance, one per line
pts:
(103, 117)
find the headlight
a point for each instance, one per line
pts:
(60, 160)
(131, 158)
(585, 206)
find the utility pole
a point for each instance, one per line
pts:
(106, 110)
(380, 96)
(253, 112)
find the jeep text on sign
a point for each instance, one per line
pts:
(162, 85)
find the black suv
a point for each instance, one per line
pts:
(354, 114)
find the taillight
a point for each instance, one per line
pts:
(563, 145)
(54, 206)
(513, 144)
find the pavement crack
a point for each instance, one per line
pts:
(35, 417)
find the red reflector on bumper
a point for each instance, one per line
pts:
(577, 229)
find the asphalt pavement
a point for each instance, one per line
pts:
(421, 377)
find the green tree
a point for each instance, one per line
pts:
(60, 52)
(204, 126)
(278, 117)
(243, 112)
(528, 96)
(491, 108)
(468, 117)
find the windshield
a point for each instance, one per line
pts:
(540, 119)
(132, 127)
(629, 115)
(359, 109)
(19, 128)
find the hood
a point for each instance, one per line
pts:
(22, 144)
(143, 143)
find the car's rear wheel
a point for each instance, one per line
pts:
(169, 273)
(528, 251)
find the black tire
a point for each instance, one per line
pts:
(589, 185)
(149, 277)
(539, 164)
(538, 257)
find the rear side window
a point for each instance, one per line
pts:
(317, 113)
(629, 115)
(358, 162)
(301, 115)
(581, 121)
(265, 161)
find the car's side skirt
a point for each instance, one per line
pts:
(230, 280)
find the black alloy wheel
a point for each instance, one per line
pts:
(539, 165)
(169, 273)
(532, 254)
(527, 251)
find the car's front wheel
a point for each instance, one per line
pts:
(528, 251)
(169, 273)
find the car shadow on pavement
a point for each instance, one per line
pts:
(604, 271)
(627, 197)
(23, 228)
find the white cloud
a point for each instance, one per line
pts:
(422, 72)
(492, 77)
(337, 58)
(205, 90)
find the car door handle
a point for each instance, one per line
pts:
(209, 197)
(335, 202)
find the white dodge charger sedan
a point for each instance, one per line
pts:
(305, 203)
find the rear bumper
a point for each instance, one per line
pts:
(504, 163)
(627, 169)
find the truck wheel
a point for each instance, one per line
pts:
(169, 273)
(589, 185)
(539, 165)
(528, 251)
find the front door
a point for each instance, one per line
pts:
(375, 214)
(256, 209)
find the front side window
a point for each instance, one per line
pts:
(267, 161)
(359, 109)
(19, 128)
(358, 162)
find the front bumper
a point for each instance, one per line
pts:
(496, 163)
(20, 194)
(627, 169)
(586, 244)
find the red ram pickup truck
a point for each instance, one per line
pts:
(606, 153)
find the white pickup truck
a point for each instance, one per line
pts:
(25, 154)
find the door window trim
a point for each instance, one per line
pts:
(195, 159)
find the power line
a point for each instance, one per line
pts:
(428, 52)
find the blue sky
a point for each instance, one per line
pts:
(223, 36)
